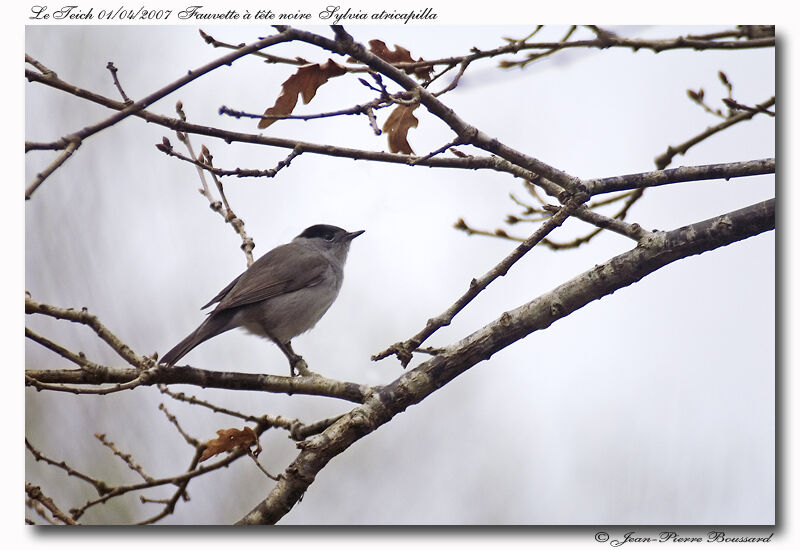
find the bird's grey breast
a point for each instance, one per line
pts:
(284, 293)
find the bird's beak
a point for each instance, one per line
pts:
(353, 235)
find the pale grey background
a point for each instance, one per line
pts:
(654, 405)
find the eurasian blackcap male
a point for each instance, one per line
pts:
(283, 294)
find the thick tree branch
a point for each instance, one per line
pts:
(304, 385)
(653, 253)
(726, 171)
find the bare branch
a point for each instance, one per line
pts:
(362, 108)
(531, 57)
(181, 480)
(77, 358)
(467, 133)
(683, 174)
(122, 93)
(665, 159)
(404, 350)
(631, 230)
(42, 69)
(260, 467)
(140, 380)
(72, 144)
(84, 317)
(585, 213)
(88, 131)
(35, 493)
(194, 442)
(167, 149)
(468, 162)
(229, 215)
(127, 458)
(304, 385)
(98, 485)
(322, 440)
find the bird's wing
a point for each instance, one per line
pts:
(223, 292)
(279, 271)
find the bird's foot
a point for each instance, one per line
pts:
(299, 367)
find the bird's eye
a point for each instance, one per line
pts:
(328, 236)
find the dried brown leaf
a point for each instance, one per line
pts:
(397, 125)
(306, 81)
(230, 440)
(399, 55)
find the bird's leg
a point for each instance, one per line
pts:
(297, 365)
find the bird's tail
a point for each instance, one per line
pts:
(213, 325)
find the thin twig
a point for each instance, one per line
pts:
(531, 57)
(735, 105)
(77, 358)
(268, 58)
(665, 159)
(44, 70)
(72, 145)
(362, 108)
(179, 493)
(456, 79)
(100, 486)
(230, 217)
(184, 138)
(193, 441)
(260, 467)
(122, 93)
(35, 493)
(631, 230)
(179, 480)
(416, 160)
(467, 162)
(168, 150)
(37, 507)
(299, 431)
(84, 317)
(404, 349)
(76, 138)
(127, 458)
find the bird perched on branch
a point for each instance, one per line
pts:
(283, 294)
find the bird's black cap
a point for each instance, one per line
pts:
(327, 232)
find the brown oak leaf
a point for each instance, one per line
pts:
(396, 127)
(399, 55)
(230, 440)
(306, 81)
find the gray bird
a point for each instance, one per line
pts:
(283, 294)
